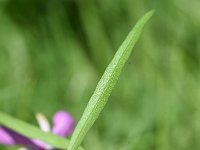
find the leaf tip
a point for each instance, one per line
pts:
(150, 13)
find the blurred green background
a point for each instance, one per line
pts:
(53, 52)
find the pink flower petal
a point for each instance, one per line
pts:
(10, 137)
(5, 137)
(63, 124)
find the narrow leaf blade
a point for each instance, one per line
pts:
(32, 132)
(106, 84)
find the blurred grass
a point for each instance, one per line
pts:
(52, 54)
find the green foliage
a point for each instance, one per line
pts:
(96, 103)
(106, 84)
(32, 131)
(52, 54)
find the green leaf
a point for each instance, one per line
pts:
(106, 84)
(32, 132)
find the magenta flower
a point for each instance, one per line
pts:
(63, 125)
